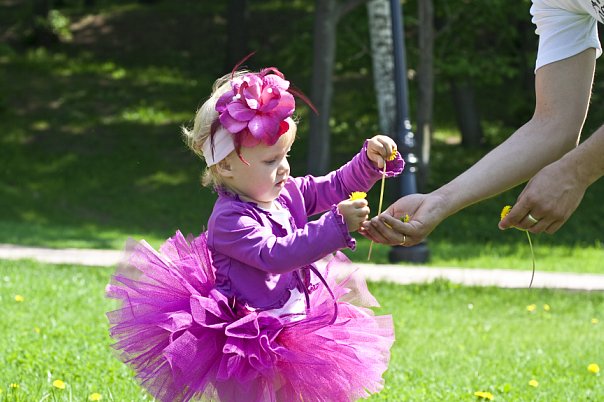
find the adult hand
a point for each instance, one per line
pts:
(425, 211)
(379, 149)
(547, 201)
(354, 213)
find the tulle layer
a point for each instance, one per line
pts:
(185, 341)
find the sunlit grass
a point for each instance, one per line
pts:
(552, 258)
(451, 340)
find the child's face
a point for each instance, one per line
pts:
(262, 181)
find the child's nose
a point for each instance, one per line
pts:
(284, 165)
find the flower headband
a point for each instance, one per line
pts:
(257, 108)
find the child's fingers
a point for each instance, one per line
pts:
(387, 146)
(359, 203)
(363, 212)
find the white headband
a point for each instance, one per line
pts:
(224, 144)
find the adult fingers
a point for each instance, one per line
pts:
(553, 228)
(375, 230)
(367, 234)
(514, 217)
(390, 229)
(406, 233)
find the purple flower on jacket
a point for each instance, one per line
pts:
(256, 106)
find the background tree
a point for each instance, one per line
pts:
(425, 87)
(327, 14)
(237, 32)
(483, 55)
(380, 35)
(41, 31)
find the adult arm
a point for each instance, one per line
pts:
(563, 90)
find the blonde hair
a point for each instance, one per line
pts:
(200, 133)
(205, 116)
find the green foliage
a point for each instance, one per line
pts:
(59, 24)
(90, 130)
(481, 40)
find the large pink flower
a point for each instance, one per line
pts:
(256, 106)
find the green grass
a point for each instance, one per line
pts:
(451, 341)
(449, 253)
(58, 332)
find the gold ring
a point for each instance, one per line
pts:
(404, 240)
(532, 219)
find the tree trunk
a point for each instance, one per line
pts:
(237, 33)
(466, 113)
(324, 53)
(425, 81)
(41, 33)
(380, 35)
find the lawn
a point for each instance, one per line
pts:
(452, 341)
(90, 154)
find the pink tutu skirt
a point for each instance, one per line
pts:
(184, 340)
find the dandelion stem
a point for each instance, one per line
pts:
(528, 235)
(379, 205)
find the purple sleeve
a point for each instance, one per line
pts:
(243, 238)
(360, 174)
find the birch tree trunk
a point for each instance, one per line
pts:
(380, 35)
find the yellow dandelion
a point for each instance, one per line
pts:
(594, 321)
(95, 397)
(357, 195)
(506, 210)
(19, 298)
(531, 308)
(58, 384)
(534, 383)
(14, 385)
(484, 395)
(547, 307)
(593, 368)
(393, 155)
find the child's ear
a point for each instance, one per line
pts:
(224, 168)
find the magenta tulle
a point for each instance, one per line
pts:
(184, 341)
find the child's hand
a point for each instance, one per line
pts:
(354, 213)
(379, 149)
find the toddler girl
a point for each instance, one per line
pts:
(251, 310)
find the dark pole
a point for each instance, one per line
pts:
(404, 136)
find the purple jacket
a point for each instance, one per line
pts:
(257, 262)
